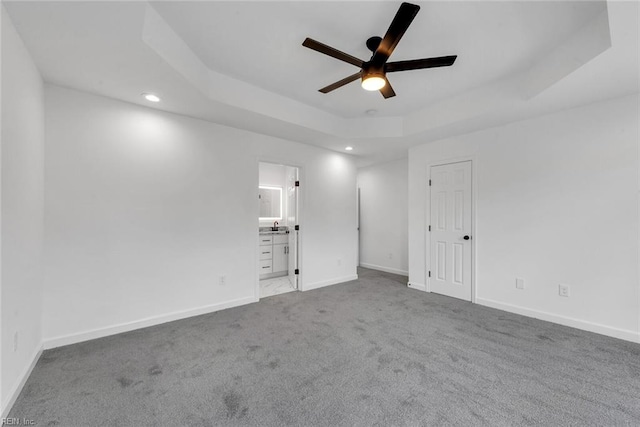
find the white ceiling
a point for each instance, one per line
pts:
(260, 43)
(242, 63)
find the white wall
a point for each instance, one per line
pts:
(272, 174)
(145, 210)
(384, 216)
(22, 213)
(557, 202)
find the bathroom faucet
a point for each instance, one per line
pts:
(275, 225)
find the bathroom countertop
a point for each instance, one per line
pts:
(268, 230)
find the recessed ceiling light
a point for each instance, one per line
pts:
(151, 97)
(371, 112)
(348, 148)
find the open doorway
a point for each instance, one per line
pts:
(279, 230)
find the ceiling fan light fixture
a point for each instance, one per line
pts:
(373, 72)
(373, 82)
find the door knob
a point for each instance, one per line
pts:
(466, 237)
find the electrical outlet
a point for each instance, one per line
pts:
(339, 261)
(15, 341)
(563, 290)
(223, 280)
(519, 283)
(390, 255)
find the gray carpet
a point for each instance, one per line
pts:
(368, 352)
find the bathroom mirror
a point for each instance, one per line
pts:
(270, 203)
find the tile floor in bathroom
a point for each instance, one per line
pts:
(275, 286)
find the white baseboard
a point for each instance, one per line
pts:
(385, 269)
(17, 388)
(142, 323)
(623, 334)
(418, 286)
(316, 285)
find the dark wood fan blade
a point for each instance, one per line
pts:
(334, 53)
(396, 30)
(387, 91)
(340, 83)
(417, 64)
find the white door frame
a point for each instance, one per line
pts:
(299, 220)
(474, 228)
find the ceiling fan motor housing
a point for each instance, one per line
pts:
(369, 69)
(373, 72)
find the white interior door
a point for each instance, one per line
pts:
(292, 221)
(450, 235)
(358, 224)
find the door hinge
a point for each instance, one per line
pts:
(296, 271)
(429, 183)
(297, 228)
(429, 273)
(297, 183)
(429, 228)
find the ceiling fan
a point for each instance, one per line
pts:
(374, 71)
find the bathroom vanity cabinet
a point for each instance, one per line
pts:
(274, 259)
(280, 257)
